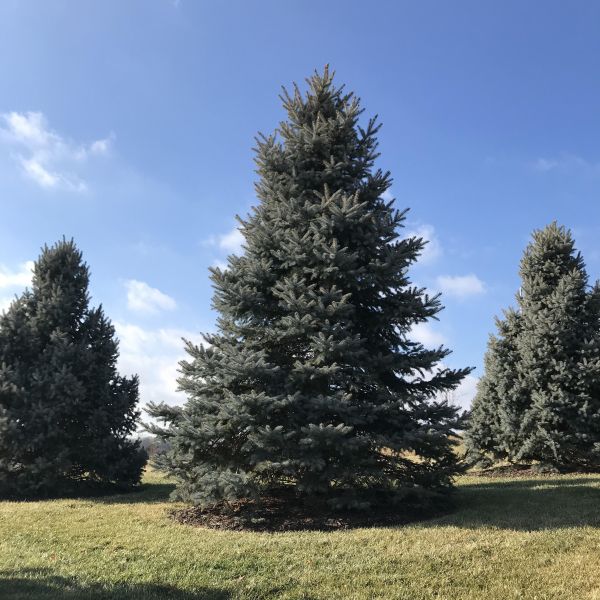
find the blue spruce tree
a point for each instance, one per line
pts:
(66, 415)
(539, 399)
(312, 381)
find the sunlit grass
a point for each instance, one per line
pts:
(524, 538)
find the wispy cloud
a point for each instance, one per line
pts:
(433, 248)
(230, 242)
(226, 243)
(44, 156)
(143, 298)
(545, 164)
(566, 163)
(461, 286)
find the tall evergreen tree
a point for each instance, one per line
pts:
(559, 352)
(545, 398)
(65, 413)
(312, 379)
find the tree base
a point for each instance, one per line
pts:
(286, 512)
(530, 470)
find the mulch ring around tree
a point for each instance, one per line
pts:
(287, 513)
(520, 470)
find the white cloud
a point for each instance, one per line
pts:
(433, 249)
(5, 302)
(30, 129)
(227, 243)
(14, 280)
(461, 286)
(220, 264)
(38, 173)
(46, 157)
(20, 278)
(102, 146)
(463, 395)
(154, 355)
(426, 335)
(145, 299)
(566, 163)
(232, 241)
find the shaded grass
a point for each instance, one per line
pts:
(44, 585)
(525, 538)
(153, 489)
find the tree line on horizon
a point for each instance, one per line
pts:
(312, 381)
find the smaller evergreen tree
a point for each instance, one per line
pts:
(66, 414)
(494, 421)
(539, 399)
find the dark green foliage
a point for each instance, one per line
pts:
(539, 399)
(312, 379)
(65, 413)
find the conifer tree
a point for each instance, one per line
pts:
(312, 380)
(497, 409)
(549, 411)
(559, 352)
(66, 415)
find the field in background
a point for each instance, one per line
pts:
(522, 538)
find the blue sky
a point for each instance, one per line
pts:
(129, 126)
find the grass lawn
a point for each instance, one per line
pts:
(521, 538)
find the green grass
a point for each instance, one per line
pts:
(525, 538)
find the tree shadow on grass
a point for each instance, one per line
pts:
(534, 504)
(147, 493)
(42, 584)
(526, 504)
